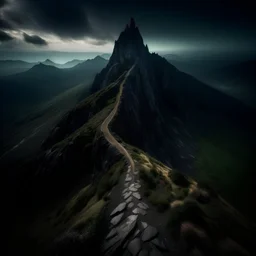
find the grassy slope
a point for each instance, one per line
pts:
(81, 212)
(225, 162)
(81, 208)
(40, 120)
(168, 189)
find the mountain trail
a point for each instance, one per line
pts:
(105, 125)
(129, 231)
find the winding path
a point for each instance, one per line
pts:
(105, 125)
(129, 233)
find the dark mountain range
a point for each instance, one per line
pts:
(141, 108)
(106, 56)
(10, 67)
(49, 63)
(69, 64)
(23, 93)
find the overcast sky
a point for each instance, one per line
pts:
(84, 25)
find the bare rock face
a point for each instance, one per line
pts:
(128, 48)
(129, 45)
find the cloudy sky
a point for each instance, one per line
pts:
(93, 25)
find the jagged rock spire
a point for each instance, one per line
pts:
(132, 23)
(129, 45)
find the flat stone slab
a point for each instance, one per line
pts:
(144, 224)
(159, 244)
(139, 211)
(128, 178)
(128, 200)
(125, 190)
(126, 195)
(130, 205)
(143, 206)
(116, 219)
(111, 233)
(134, 246)
(137, 195)
(127, 226)
(110, 243)
(149, 233)
(119, 208)
(137, 185)
(133, 189)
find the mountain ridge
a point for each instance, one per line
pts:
(179, 109)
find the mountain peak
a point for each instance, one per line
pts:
(129, 45)
(98, 58)
(132, 23)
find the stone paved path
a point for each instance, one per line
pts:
(128, 233)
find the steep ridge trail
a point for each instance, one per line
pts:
(129, 231)
(105, 125)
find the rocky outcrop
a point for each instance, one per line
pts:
(128, 48)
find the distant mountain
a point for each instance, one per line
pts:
(49, 63)
(10, 67)
(71, 64)
(106, 56)
(20, 93)
(91, 63)
(68, 64)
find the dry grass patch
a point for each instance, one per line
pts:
(89, 217)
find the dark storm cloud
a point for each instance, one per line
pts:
(98, 42)
(67, 19)
(176, 21)
(2, 3)
(4, 37)
(37, 40)
(4, 24)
